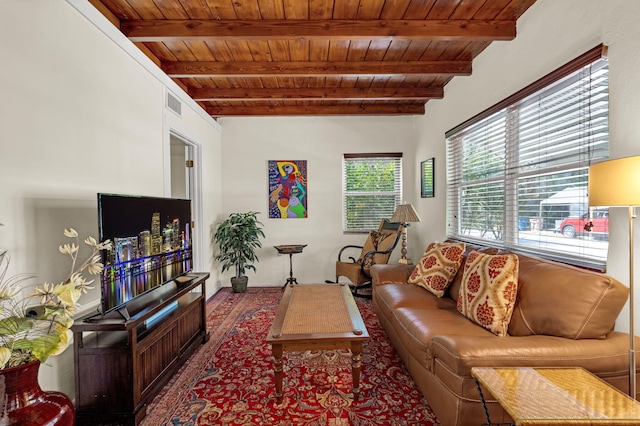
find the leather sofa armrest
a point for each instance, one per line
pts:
(390, 273)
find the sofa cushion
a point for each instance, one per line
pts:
(380, 241)
(488, 292)
(416, 327)
(454, 289)
(438, 267)
(394, 296)
(397, 273)
(565, 301)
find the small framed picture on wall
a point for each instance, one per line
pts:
(426, 178)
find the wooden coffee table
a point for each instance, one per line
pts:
(557, 396)
(317, 317)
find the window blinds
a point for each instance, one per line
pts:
(372, 187)
(517, 173)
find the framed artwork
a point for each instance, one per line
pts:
(426, 178)
(287, 189)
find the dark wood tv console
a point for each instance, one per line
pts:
(121, 364)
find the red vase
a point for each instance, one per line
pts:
(22, 402)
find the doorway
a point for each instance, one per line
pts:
(181, 167)
(184, 182)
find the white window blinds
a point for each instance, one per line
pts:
(372, 187)
(517, 173)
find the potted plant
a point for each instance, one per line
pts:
(35, 326)
(237, 238)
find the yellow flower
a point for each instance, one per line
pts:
(105, 245)
(46, 292)
(68, 249)
(70, 296)
(63, 323)
(95, 266)
(8, 292)
(91, 241)
(71, 233)
(65, 339)
(5, 354)
(80, 283)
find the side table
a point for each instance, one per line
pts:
(290, 249)
(556, 396)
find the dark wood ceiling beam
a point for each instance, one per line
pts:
(202, 29)
(106, 12)
(290, 110)
(333, 93)
(193, 69)
(149, 53)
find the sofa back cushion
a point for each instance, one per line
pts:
(561, 300)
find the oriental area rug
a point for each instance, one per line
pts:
(230, 379)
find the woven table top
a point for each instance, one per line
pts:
(555, 396)
(317, 309)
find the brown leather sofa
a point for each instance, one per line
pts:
(563, 316)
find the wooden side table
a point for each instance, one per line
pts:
(290, 249)
(556, 396)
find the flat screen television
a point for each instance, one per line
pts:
(151, 239)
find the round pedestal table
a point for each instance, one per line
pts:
(290, 249)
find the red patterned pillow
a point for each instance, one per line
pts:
(438, 267)
(489, 287)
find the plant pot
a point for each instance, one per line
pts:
(239, 284)
(22, 402)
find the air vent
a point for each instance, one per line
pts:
(174, 104)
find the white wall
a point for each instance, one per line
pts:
(550, 34)
(249, 143)
(79, 116)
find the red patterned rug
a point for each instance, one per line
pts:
(229, 380)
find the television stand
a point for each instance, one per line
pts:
(125, 313)
(122, 363)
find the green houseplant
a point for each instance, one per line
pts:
(237, 238)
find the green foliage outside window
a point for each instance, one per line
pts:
(372, 189)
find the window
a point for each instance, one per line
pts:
(372, 187)
(517, 173)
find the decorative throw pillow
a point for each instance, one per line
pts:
(489, 287)
(380, 241)
(438, 267)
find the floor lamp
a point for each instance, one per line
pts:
(404, 214)
(616, 183)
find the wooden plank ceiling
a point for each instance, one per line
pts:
(314, 57)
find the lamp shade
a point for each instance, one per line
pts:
(405, 213)
(615, 182)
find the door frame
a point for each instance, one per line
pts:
(195, 184)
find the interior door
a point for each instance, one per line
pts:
(181, 168)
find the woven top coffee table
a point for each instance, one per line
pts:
(317, 317)
(557, 396)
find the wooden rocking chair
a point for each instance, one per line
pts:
(377, 249)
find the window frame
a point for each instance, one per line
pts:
(373, 223)
(510, 177)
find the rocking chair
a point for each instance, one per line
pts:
(377, 249)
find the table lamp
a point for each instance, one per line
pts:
(616, 183)
(405, 213)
